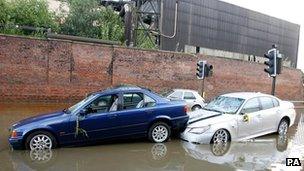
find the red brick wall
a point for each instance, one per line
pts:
(51, 70)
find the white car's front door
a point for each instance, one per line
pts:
(250, 119)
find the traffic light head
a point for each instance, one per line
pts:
(200, 69)
(208, 70)
(271, 64)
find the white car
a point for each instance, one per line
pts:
(192, 98)
(239, 116)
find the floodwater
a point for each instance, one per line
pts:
(267, 152)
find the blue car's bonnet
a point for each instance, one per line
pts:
(37, 118)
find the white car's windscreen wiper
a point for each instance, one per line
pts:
(213, 110)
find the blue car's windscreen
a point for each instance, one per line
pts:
(77, 105)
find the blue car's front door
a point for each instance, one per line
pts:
(99, 118)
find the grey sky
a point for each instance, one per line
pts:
(290, 10)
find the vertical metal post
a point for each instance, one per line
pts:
(128, 24)
(275, 70)
(273, 85)
(203, 89)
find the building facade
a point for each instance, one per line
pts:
(218, 28)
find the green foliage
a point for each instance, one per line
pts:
(81, 17)
(145, 39)
(111, 26)
(86, 19)
(32, 13)
(4, 12)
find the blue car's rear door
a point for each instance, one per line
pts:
(132, 117)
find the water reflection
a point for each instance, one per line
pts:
(176, 155)
(258, 154)
(139, 156)
(41, 156)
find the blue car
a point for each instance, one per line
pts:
(120, 112)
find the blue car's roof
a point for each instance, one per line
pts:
(119, 89)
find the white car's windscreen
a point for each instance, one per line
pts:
(225, 104)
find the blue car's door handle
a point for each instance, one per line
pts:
(112, 116)
(149, 111)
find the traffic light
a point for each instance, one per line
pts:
(271, 63)
(279, 62)
(203, 69)
(200, 69)
(208, 70)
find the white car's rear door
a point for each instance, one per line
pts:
(270, 114)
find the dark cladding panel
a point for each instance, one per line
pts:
(218, 25)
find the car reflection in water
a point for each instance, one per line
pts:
(141, 156)
(256, 154)
(175, 155)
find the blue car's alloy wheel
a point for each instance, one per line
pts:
(159, 132)
(40, 140)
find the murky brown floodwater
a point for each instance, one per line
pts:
(262, 153)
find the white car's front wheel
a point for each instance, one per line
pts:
(283, 127)
(220, 136)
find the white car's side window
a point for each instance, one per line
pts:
(189, 96)
(275, 102)
(251, 106)
(177, 95)
(266, 103)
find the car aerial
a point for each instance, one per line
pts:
(239, 116)
(119, 112)
(192, 98)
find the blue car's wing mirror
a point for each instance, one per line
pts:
(83, 112)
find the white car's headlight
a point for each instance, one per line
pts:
(199, 130)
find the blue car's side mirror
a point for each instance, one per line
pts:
(83, 112)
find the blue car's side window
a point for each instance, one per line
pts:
(103, 104)
(132, 100)
(148, 101)
(136, 101)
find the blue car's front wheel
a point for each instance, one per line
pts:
(40, 140)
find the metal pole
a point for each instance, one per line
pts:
(128, 24)
(273, 85)
(203, 89)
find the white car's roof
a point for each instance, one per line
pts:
(185, 90)
(246, 95)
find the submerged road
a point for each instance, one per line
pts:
(267, 152)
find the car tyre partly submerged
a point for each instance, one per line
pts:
(196, 107)
(159, 132)
(220, 136)
(40, 140)
(283, 127)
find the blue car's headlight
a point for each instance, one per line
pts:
(199, 130)
(15, 134)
